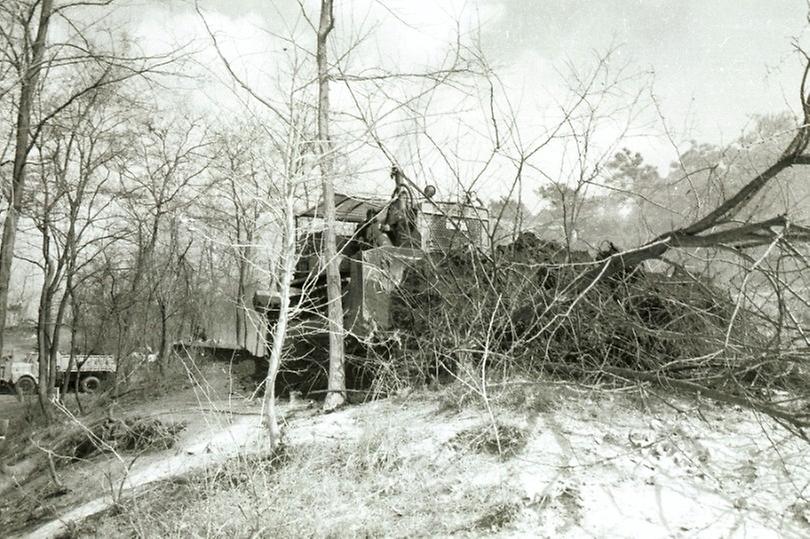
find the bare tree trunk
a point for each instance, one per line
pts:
(44, 387)
(71, 296)
(241, 300)
(68, 296)
(280, 330)
(74, 328)
(163, 352)
(28, 90)
(337, 379)
(56, 333)
(143, 264)
(246, 277)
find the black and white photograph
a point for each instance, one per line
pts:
(405, 268)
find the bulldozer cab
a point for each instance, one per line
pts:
(377, 241)
(364, 222)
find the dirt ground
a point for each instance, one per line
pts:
(10, 407)
(600, 465)
(212, 416)
(586, 465)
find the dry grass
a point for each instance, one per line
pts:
(371, 486)
(511, 394)
(400, 468)
(101, 445)
(499, 439)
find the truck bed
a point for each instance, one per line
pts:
(91, 363)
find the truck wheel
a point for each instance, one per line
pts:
(26, 385)
(90, 384)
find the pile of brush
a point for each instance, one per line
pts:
(128, 435)
(528, 306)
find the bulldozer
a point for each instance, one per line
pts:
(379, 241)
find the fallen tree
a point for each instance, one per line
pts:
(718, 227)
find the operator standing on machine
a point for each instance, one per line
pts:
(400, 220)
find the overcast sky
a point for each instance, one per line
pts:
(712, 65)
(715, 61)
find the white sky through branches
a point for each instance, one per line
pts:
(710, 66)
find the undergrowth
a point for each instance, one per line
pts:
(366, 487)
(499, 439)
(515, 394)
(128, 435)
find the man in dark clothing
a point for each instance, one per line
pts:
(400, 220)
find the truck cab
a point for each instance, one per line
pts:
(21, 371)
(18, 373)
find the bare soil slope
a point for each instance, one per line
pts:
(539, 461)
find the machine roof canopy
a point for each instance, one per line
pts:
(348, 208)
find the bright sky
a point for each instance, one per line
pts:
(711, 64)
(716, 62)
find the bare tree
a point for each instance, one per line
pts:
(48, 86)
(71, 211)
(28, 66)
(284, 154)
(172, 287)
(246, 191)
(166, 175)
(337, 375)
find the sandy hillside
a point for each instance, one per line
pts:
(559, 464)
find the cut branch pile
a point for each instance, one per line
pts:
(133, 434)
(522, 313)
